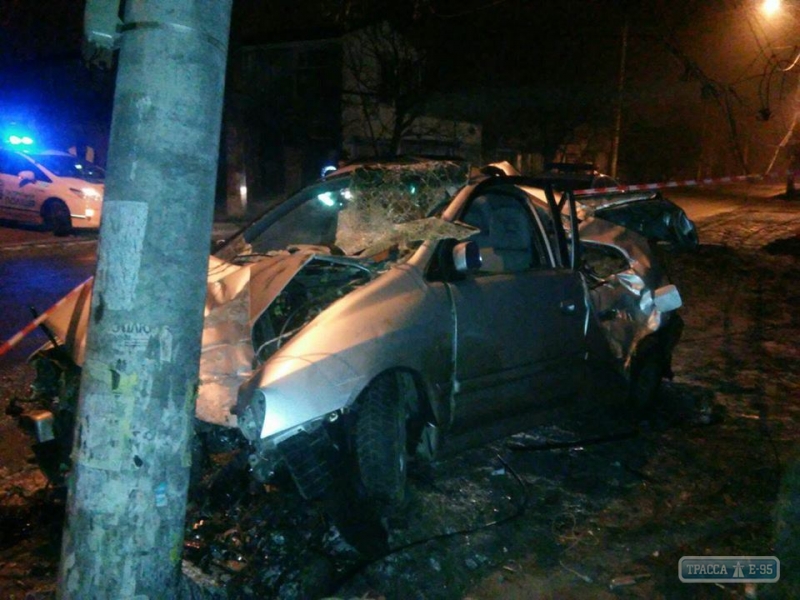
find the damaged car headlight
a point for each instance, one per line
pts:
(327, 199)
(255, 418)
(251, 414)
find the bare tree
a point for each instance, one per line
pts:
(724, 96)
(384, 86)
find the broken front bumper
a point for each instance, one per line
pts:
(313, 457)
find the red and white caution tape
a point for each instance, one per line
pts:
(17, 337)
(683, 183)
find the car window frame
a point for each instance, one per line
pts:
(540, 241)
(40, 161)
(38, 173)
(14, 163)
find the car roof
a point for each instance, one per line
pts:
(50, 153)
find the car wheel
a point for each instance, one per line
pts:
(646, 376)
(380, 444)
(57, 217)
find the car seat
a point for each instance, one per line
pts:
(505, 233)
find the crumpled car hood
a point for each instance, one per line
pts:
(237, 295)
(647, 213)
(631, 303)
(598, 230)
(237, 301)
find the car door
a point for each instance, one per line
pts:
(18, 196)
(6, 181)
(520, 320)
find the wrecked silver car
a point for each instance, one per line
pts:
(392, 312)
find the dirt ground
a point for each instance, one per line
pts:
(574, 510)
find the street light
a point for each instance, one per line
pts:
(770, 7)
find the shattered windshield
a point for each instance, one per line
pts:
(362, 213)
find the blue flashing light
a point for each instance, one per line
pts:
(17, 140)
(327, 169)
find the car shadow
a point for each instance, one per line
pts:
(22, 226)
(40, 228)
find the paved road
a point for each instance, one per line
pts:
(37, 269)
(13, 234)
(708, 201)
(38, 277)
(750, 216)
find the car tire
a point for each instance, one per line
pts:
(380, 444)
(57, 217)
(647, 373)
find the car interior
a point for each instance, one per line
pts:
(506, 238)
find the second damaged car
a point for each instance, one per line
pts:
(391, 313)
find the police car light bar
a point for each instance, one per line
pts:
(17, 140)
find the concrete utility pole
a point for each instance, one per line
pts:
(620, 92)
(127, 493)
(794, 146)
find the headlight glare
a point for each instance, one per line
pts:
(87, 193)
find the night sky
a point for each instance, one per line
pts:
(507, 64)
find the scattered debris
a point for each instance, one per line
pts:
(627, 580)
(580, 576)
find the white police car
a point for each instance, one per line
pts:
(50, 187)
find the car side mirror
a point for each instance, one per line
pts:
(466, 257)
(27, 177)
